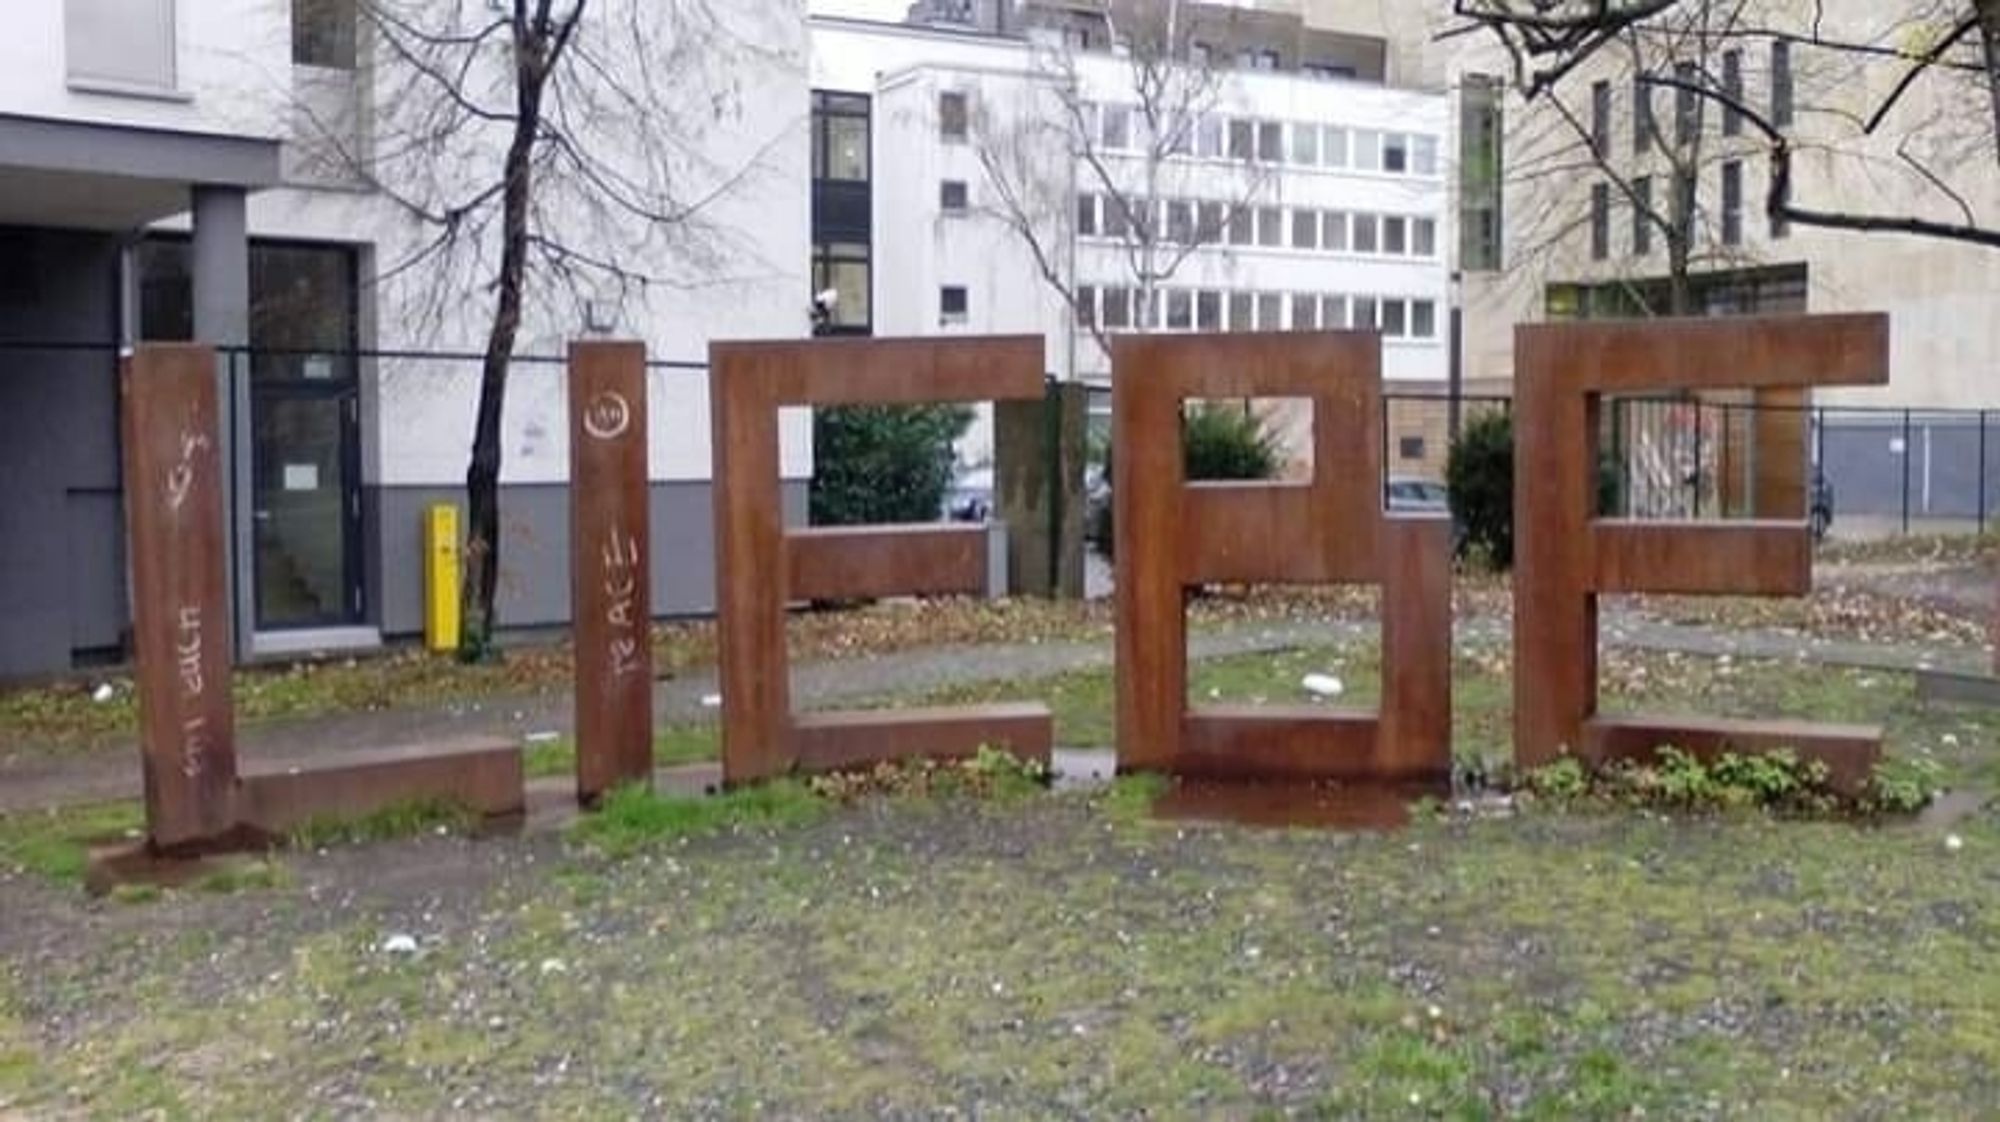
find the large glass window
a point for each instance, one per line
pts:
(121, 42)
(323, 33)
(840, 137)
(843, 269)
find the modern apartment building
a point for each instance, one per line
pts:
(975, 181)
(1572, 205)
(157, 182)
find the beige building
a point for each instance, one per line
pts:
(1594, 183)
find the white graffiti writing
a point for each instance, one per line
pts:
(180, 477)
(622, 561)
(188, 660)
(608, 416)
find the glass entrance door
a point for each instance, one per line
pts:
(306, 512)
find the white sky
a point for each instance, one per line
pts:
(891, 10)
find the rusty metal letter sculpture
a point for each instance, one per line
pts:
(180, 611)
(1565, 556)
(1172, 535)
(196, 796)
(761, 567)
(610, 551)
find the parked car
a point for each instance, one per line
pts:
(1410, 495)
(971, 496)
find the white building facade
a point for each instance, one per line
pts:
(163, 175)
(1298, 203)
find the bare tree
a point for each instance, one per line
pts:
(1122, 141)
(550, 154)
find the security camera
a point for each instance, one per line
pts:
(828, 299)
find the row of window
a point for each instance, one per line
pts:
(1117, 308)
(1200, 222)
(1682, 211)
(1305, 144)
(1688, 103)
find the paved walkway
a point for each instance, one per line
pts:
(35, 778)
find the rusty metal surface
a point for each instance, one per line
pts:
(860, 562)
(1564, 556)
(180, 608)
(484, 775)
(762, 568)
(610, 558)
(1173, 535)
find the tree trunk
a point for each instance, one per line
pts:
(482, 478)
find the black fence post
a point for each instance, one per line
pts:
(1906, 471)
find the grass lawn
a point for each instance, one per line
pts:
(1048, 956)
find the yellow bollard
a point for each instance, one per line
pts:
(441, 577)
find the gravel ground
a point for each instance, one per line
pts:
(1055, 957)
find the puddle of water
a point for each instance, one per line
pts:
(1357, 807)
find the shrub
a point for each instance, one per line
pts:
(1480, 476)
(883, 463)
(1217, 442)
(1904, 786)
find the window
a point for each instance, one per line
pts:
(1781, 83)
(121, 42)
(1305, 229)
(1242, 139)
(1333, 312)
(1208, 226)
(1643, 125)
(1395, 152)
(1242, 226)
(1600, 221)
(1270, 312)
(1481, 159)
(1208, 138)
(1305, 313)
(1396, 235)
(1117, 308)
(1180, 309)
(1600, 117)
(1200, 53)
(1732, 202)
(1364, 313)
(1333, 146)
(1732, 86)
(843, 269)
(953, 115)
(952, 303)
(323, 33)
(1326, 71)
(840, 137)
(1117, 222)
(1365, 240)
(1239, 311)
(1086, 215)
(1687, 103)
(1180, 222)
(1423, 321)
(1086, 305)
(1395, 321)
(953, 196)
(1410, 447)
(1208, 310)
(1423, 237)
(1333, 231)
(1305, 145)
(1423, 155)
(1258, 60)
(1270, 226)
(1114, 127)
(1270, 141)
(1367, 150)
(1642, 216)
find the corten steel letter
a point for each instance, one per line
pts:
(180, 608)
(761, 567)
(1173, 535)
(1564, 555)
(610, 551)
